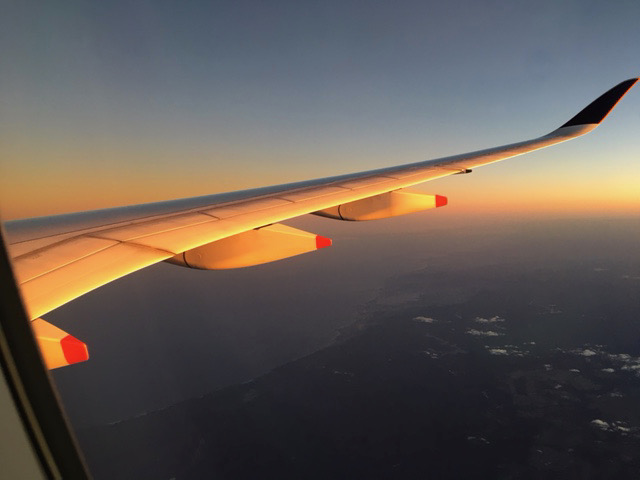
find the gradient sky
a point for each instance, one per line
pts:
(112, 103)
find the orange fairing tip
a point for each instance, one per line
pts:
(441, 201)
(57, 347)
(322, 242)
(74, 350)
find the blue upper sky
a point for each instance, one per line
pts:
(123, 102)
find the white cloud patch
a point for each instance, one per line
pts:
(574, 370)
(511, 350)
(495, 319)
(498, 351)
(615, 426)
(623, 361)
(424, 319)
(601, 424)
(623, 357)
(481, 333)
(626, 362)
(631, 367)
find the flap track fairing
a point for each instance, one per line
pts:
(254, 247)
(390, 204)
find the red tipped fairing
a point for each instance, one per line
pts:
(385, 205)
(57, 347)
(74, 350)
(441, 201)
(261, 245)
(322, 242)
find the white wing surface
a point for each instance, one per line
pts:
(59, 258)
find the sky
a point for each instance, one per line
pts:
(114, 103)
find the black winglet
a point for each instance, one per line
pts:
(601, 106)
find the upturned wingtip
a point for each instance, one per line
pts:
(597, 110)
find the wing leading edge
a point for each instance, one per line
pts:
(57, 259)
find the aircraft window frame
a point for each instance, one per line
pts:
(34, 396)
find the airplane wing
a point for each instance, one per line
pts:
(59, 258)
